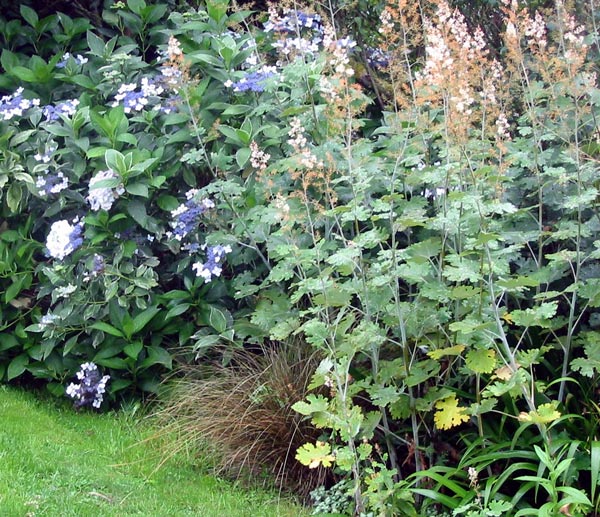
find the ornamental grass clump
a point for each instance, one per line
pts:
(242, 412)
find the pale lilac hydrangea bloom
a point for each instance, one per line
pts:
(90, 391)
(47, 320)
(103, 197)
(64, 238)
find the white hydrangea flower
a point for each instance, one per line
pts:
(103, 197)
(64, 238)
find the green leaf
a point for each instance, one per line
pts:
(133, 349)
(217, 319)
(116, 161)
(544, 414)
(69, 345)
(157, 355)
(167, 203)
(536, 316)
(14, 196)
(383, 395)
(595, 467)
(242, 156)
(13, 289)
(143, 318)
(17, 366)
(106, 327)
(136, 6)
(95, 44)
(25, 74)
(137, 189)
(117, 363)
(8, 341)
(481, 360)
(177, 310)
(314, 404)
(237, 109)
(29, 15)
(137, 210)
(231, 133)
(8, 60)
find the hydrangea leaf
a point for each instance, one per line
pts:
(316, 455)
(481, 360)
(449, 414)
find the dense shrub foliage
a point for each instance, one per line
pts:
(419, 208)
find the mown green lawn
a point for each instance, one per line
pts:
(56, 462)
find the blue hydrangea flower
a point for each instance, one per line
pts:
(51, 184)
(377, 58)
(213, 265)
(186, 217)
(98, 266)
(14, 105)
(169, 105)
(301, 32)
(134, 100)
(66, 108)
(292, 21)
(253, 81)
(90, 391)
(78, 59)
(64, 238)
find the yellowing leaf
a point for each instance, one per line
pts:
(315, 455)
(508, 318)
(481, 360)
(441, 352)
(544, 414)
(506, 372)
(448, 413)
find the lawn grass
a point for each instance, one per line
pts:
(56, 462)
